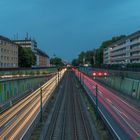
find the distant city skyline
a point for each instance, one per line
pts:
(65, 28)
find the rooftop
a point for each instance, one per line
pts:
(41, 52)
(131, 36)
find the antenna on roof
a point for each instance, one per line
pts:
(17, 36)
(26, 38)
(14, 37)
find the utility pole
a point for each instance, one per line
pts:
(56, 79)
(41, 113)
(83, 80)
(94, 56)
(79, 73)
(80, 77)
(97, 101)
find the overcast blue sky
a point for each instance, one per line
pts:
(67, 27)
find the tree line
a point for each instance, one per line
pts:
(95, 57)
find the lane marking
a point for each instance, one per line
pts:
(108, 100)
(106, 120)
(100, 93)
(133, 129)
(115, 108)
(10, 121)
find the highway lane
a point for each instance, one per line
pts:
(15, 122)
(122, 113)
(22, 104)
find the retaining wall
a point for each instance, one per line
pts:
(16, 87)
(124, 85)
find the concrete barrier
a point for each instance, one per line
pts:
(126, 86)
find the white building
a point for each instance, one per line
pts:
(29, 43)
(42, 59)
(126, 50)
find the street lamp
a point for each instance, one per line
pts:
(83, 80)
(97, 101)
(94, 56)
(58, 76)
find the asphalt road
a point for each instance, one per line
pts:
(16, 121)
(123, 119)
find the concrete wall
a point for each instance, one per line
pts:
(122, 81)
(28, 71)
(124, 85)
(13, 88)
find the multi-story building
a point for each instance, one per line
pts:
(126, 50)
(42, 59)
(27, 43)
(8, 53)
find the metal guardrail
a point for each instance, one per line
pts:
(104, 119)
(12, 101)
(34, 122)
(102, 116)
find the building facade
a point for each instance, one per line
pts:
(42, 59)
(8, 53)
(126, 50)
(27, 43)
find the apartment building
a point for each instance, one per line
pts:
(126, 50)
(42, 59)
(8, 53)
(27, 43)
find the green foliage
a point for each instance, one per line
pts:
(56, 61)
(75, 62)
(26, 57)
(88, 56)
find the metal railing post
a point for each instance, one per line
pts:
(41, 111)
(97, 101)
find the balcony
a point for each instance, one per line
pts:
(135, 41)
(118, 53)
(135, 49)
(135, 56)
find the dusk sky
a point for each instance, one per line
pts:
(67, 27)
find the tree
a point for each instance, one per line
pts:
(85, 58)
(88, 56)
(105, 44)
(26, 57)
(56, 61)
(75, 62)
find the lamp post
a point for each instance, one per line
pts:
(83, 80)
(80, 77)
(94, 56)
(97, 101)
(41, 117)
(58, 77)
